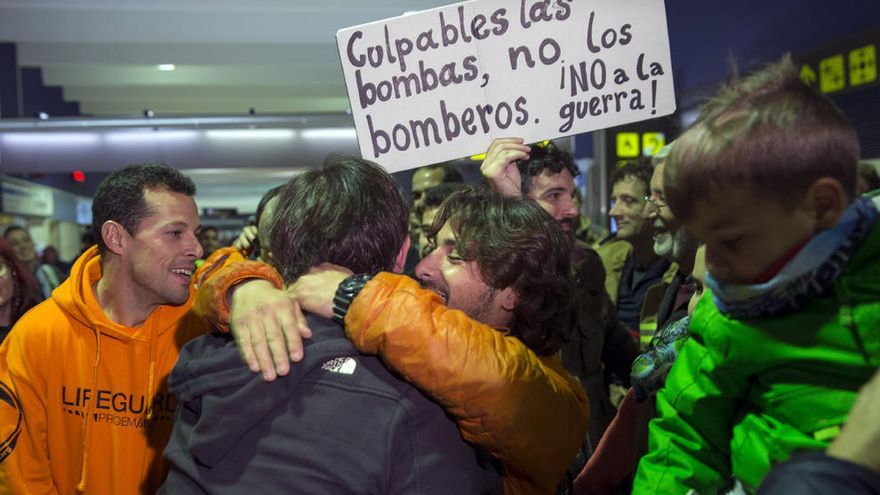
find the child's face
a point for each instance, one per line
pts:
(746, 233)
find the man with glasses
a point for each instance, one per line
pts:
(636, 277)
(671, 241)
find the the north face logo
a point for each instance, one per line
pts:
(343, 365)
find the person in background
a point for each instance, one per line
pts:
(209, 238)
(584, 229)
(766, 178)
(601, 346)
(253, 242)
(433, 198)
(423, 179)
(636, 277)
(18, 289)
(49, 257)
(23, 246)
(611, 468)
(868, 179)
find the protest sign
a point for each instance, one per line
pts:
(441, 84)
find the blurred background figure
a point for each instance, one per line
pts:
(209, 238)
(22, 245)
(18, 289)
(50, 258)
(586, 231)
(868, 179)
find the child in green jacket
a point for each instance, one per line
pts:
(776, 356)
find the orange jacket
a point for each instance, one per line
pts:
(92, 393)
(527, 410)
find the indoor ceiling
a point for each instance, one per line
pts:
(280, 57)
(275, 56)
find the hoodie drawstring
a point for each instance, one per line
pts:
(87, 435)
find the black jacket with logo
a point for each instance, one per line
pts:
(339, 422)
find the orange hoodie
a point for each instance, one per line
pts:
(96, 410)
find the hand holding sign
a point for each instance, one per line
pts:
(499, 166)
(443, 83)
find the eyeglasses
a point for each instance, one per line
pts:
(655, 204)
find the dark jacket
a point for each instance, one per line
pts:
(601, 345)
(816, 473)
(339, 422)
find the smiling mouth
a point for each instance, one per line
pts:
(185, 273)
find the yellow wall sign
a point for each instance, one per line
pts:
(627, 144)
(832, 74)
(853, 68)
(652, 142)
(863, 65)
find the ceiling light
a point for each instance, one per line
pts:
(166, 67)
(330, 133)
(224, 134)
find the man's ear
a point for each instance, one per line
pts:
(400, 262)
(827, 200)
(508, 298)
(114, 236)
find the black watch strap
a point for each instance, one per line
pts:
(346, 292)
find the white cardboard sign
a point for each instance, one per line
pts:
(441, 84)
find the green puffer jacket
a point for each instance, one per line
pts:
(746, 394)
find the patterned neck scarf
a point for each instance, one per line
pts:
(811, 273)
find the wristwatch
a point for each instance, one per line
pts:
(346, 292)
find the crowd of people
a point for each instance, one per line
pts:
(469, 341)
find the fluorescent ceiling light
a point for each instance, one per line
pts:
(166, 67)
(245, 134)
(50, 138)
(149, 137)
(330, 133)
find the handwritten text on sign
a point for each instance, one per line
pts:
(441, 84)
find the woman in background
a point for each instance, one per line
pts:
(18, 289)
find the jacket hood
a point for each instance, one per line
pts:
(76, 297)
(211, 381)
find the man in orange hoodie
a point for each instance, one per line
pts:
(87, 367)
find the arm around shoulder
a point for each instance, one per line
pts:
(529, 412)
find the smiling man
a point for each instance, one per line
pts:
(636, 278)
(88, 366)
(671, 241)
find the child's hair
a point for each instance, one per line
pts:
(770, 132)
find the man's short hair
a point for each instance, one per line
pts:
(13, 228)
(435, 196)
(516, 244)
(769, 132)
(348, 211)
(120, 196)
(639, 169)
(451, 173)
(544, 156)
